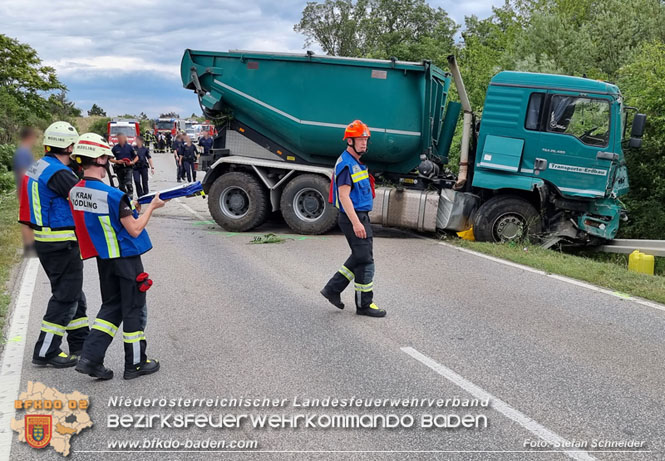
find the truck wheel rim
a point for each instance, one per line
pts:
(309, 204)
(509, 227)
(234, 202)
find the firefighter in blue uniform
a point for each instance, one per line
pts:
(352, 193)
(206, 143)
(143, 161)
(187, 159)
(45, 208)
(177, 144)
(123, 163)
(111, 230)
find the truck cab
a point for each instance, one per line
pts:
(554, 142)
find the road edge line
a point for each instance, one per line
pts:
(562, 278)
(12, 357)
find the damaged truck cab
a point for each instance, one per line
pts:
(555, 143)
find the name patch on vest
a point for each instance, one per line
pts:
(90, 200)
(356, 169)
(36, 169)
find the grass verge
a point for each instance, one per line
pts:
(10, 244)
(608, 271)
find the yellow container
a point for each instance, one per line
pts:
(641, 262)
(467, 234)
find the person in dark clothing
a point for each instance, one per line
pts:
(205, 142)
(177, 144)
(111, 230)
(168, 139)
(144, 160)
(123, 163)
(352, 192)
(188, 157)
(45, 208)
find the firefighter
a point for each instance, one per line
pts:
(352, 193)
(144, 160)
(206, 143)
(177, 145)
(44, 207)
(123, 163)
(187, 158)
(111, 230)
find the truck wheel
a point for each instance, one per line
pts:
(506, 218)
(238, 202)
(305, 206)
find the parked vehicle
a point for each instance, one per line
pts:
(129, 128)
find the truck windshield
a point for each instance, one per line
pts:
(161, 125)
(123, 129)
(585, 118)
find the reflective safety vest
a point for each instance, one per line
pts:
(361, 191)
(96, 210)
(41, 208)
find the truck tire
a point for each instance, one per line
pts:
(238, 202)
(506, 218)
(305, 206)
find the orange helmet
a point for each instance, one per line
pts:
(356, 129)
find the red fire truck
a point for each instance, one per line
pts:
(129, 128)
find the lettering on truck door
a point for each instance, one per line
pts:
(576, 128)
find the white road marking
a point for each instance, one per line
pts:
(499, 405)
(12, 359)
(198, 215)
(561, 278)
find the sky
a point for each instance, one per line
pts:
(125, 57)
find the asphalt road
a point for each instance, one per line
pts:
(232, 319)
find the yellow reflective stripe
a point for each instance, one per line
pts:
(36, 203)
(45, 234)
(111, 239)
(77, 323)
(359, 176)
(133, 337)
(106, 327)
(364, 288)
(346, 273)
(55, 332)
(54, 328)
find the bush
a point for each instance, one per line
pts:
(99, 126)
(6, 176)
(642, 80)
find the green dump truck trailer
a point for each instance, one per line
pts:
(545, 159)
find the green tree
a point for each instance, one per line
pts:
(405, 29)
(642, 81)
(24, 81)
(61, 108)
(95, 110)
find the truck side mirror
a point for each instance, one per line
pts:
(637, 130)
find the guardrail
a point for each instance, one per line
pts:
(626, 246)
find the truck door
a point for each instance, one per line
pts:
(576, 144)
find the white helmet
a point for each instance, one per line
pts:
(90, 145)
(60, 134)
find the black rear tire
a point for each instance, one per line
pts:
(305, 206)
(506, 218)
(238, 202)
